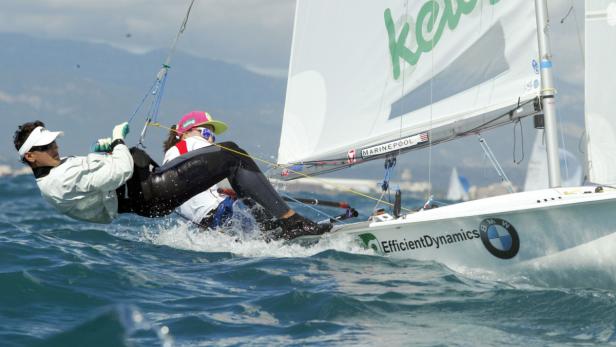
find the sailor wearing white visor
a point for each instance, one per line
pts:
(83, 188)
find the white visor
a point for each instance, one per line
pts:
(38, 137)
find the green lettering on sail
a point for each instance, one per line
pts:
(427, 31)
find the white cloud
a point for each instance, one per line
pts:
(33, 101)
(274, 72)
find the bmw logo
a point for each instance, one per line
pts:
(499, 237)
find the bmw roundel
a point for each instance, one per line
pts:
(499, 237)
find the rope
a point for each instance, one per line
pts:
(312, 208)
(390, 163)
(577, 29)
(158, 125)
(190, 220)
(380, 200)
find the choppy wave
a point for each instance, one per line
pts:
(164, 283)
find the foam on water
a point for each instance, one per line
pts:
(185, 236)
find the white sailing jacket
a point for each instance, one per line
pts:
(201, 204)
(84, 187)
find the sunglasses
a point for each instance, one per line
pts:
(207, 133)
(44, 148)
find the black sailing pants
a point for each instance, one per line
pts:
(155, 191)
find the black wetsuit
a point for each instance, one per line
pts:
(155, 191)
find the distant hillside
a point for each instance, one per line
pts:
(85, 89)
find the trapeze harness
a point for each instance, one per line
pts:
(156, 191)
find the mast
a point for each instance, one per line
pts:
(547, 92)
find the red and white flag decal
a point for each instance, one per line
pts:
(351, 156)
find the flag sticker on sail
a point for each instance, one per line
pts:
(405, 142)
(351, 156)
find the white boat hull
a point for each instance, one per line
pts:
(495, 232)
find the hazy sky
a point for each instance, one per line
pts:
(253, 33)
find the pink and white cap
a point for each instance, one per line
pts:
(38, 137)
(200, 118)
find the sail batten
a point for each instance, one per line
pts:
(374, 78)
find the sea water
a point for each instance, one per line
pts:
(141, 282)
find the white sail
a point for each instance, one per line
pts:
(369, 78)
(600, 84)
(457, 191)
(537, 170)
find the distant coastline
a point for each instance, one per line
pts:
(6, 170)
(417, 189)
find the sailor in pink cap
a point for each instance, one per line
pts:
(200, 119)
(114, 179)
(195, 130)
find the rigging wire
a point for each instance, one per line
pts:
(157, 88)
(565, 159)
(141, 103)
(434, 10)
(577, 28)
(330, 217)
(499, 170)
(180, 32)
(581, 50)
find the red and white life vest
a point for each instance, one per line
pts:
(181, 146)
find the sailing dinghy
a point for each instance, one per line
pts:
(458, 187)
(374, 79)
(537, 171)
